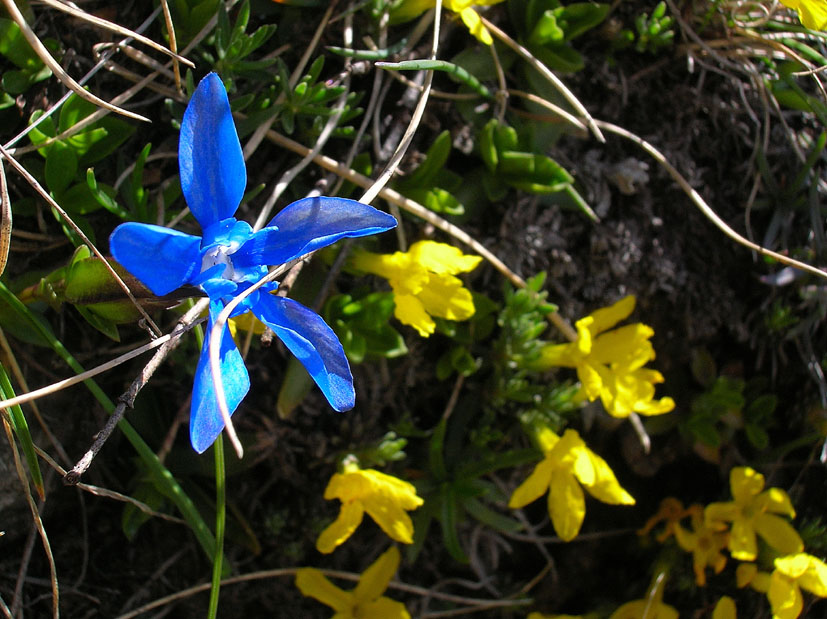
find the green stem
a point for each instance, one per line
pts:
(220, 516)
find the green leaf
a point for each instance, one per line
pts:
(757, 435)
(133, 517)
(107, 327)
(296, 385)
(435, 159)
(580, 17)
(489, 517)
(79, 200)
(61, 167)
(105, 195)
(21, 430)
(546, 30)
(487, 145)
(449, 521)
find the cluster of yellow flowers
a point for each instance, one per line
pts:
(387, 500)
(609, 364)
(735, 526)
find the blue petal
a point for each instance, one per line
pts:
(309, 224)
(210, 161)
(205, 417)
(161, 258)
(313, 343)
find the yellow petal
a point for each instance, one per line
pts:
(655, 407)
(350, 516)
(627, 346)
(546, 439)
(375, 579)
(441, 258)
(785, 597)
(793, 566)
(592, 379)
(445, 297)
(312, 583)
(383, 608)
(557, 355)
(401, 492)
(720, 512)
(566, 505)
(534, 487)
(607, 317)
(391, 518)
(474, 24)
(812, 13)
(571, 453)
(410, 311)
(742, 544)
(744, 574)
(724, 609)
(778, 533)
(777, 501)
(814, 579)
(644, 609)
(685, 539)
(745, 483)
(584, 334)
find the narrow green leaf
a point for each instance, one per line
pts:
(456, 71)
(21, 430)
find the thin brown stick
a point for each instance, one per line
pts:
(173, 43)
(5, 219)
(128, 398)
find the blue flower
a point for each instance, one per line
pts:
(230, 257)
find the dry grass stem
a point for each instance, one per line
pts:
(67, 80)
(38, 522)
(548, 74)
(126, 32)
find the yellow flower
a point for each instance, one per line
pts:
(753, 512)
(411, 8)
(567, 462)
(651, 607)
(724, 609)
(791, 574)
(610, 363)
(705, 542)
(783, 587)
(671, 511)
(384, 497)
(812, 13)
(423, 282)
(364, 602)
